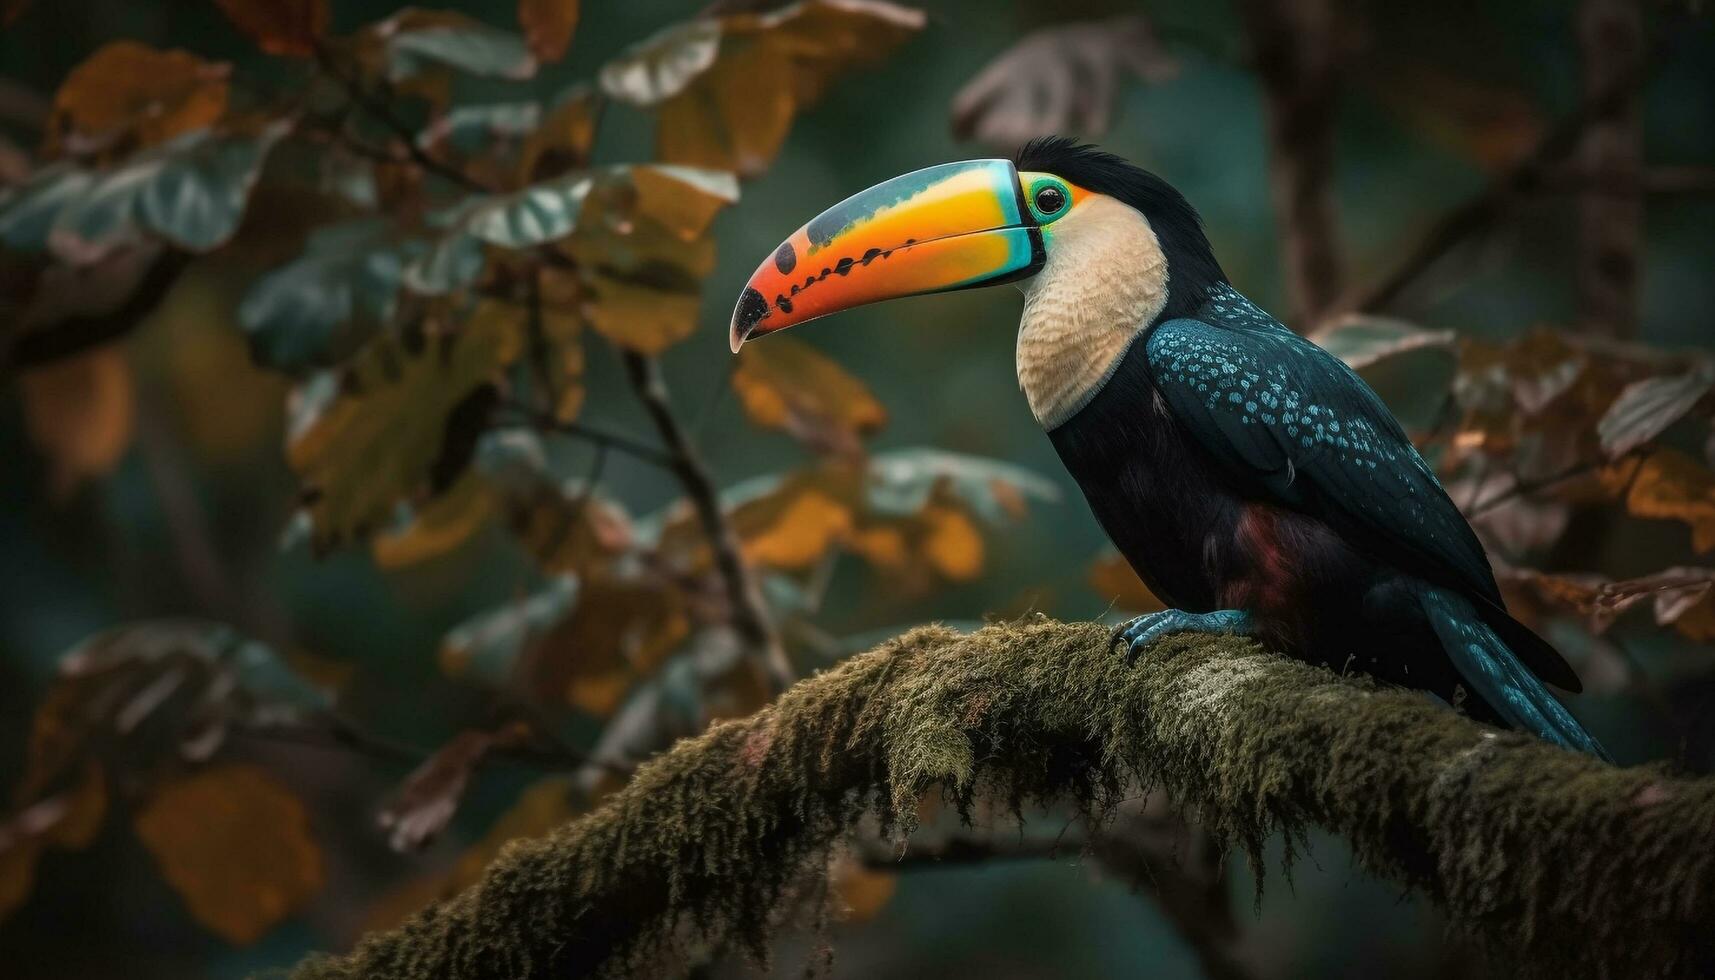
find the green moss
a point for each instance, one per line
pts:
(1560, 863)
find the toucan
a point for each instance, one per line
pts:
(1254, 481)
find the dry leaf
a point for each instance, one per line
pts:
(788, 385)
(80, 412)
(289, 28)
(128, 95)
(639, 316)
(1059, 80)
(862, 891)
(1671, 484)
(548, 26)
(379, 434)
(236, 846)
(619, 631)
(431, 794)
(561, 142)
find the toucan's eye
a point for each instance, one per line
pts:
(1050, 199)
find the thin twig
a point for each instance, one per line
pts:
(605, 438)
(749, 614)
(383, 113)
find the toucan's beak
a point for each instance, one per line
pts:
(947, 227)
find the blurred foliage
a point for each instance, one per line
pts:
(314, 320)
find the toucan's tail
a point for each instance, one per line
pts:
(1497, 676)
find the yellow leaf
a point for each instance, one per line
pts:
(439, 526)
(289, 28)
(370, 444)
(548, 26)
(579, 534)
(80, 411)
(1670, 484)
(639, 317)
(788, 385)
(235, 845)
(682, 199)
(128, 95)
(1113, 579)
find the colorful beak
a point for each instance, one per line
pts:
(953, 226)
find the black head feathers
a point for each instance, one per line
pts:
(1191, 264)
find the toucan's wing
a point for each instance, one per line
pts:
(1285, 417)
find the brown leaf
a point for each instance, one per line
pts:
(17, 872)
(1114, 580)
(236, 846)
(1644, 409)
(619, 631)
(288, 28)
(795, 527)
(727, 88)
(1670, 484)
(684, 200)
(128, 95)
(1059, 80)
(561, 141)
(431, 794)
(80, 412)
(548, 26)
(788, 385)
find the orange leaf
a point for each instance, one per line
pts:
(792, 531)
(548, 26)
(620, 630)
(1670, 484)
(952, 544)
(1114, 580)
(130, 93)
(235, 845)
(80, 411)
(788, 385)
(639, 317)
(289, 28)
(863, 892)
(439, 526)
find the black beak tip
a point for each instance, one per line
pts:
(751, 308)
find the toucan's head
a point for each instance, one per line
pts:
(1057, 205)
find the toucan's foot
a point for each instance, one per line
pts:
(1143, 630)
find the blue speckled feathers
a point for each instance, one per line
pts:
(1282, 415)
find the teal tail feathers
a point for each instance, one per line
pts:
(1495, 674)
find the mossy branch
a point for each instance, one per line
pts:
(1560, 863)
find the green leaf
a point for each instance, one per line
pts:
(532, 216)
(28, 211)
(485, 649)
(418, 40)
(900, 483)
(321, 306)
(472, 129)
(190, 191)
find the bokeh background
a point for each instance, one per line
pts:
(186, 512)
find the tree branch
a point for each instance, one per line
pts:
(1480, 211)
(1562, 864)
(749, 614)
(1296, 51)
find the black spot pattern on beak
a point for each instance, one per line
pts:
(752, 307)
(785, 258)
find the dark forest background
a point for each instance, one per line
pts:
(378, 485)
